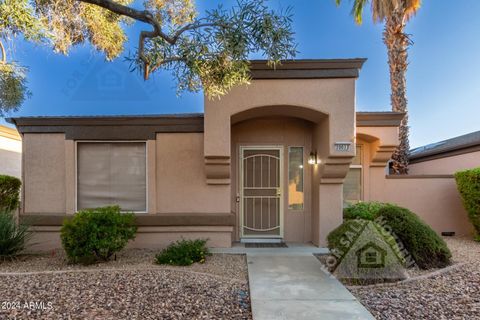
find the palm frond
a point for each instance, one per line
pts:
(411, 7)
(357, 10)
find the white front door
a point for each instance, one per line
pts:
(261, 192)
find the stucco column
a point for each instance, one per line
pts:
(152, 176)
(217, 143)
(70, 196)
(330, 209)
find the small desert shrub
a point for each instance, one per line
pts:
(425, 246)
(13, 236)
(9, 193)
(96, 234)
(468, 184)
(363, 210)
(183, 253)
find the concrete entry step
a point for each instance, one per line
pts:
(297, 287)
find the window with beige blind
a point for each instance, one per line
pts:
(112, 173)
(352, 186)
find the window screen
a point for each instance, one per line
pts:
(111, 174)
(295, 178)
(352, 186)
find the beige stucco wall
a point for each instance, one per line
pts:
(10, 157)
(278, 131)
(434, 200)
(181, 185)
(447, 165)
(44, 173)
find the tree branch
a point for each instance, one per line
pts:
(165, 61)
(4, 54)
(147, 17)
(193, 26)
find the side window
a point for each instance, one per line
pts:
(353, 184)
(295, 178)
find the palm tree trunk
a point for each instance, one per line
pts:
(397, 42)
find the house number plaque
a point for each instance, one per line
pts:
(343, 146)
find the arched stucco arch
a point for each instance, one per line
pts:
(382, 142)
(329, 103)
(301, 112)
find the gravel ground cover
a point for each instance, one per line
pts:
(131, 287)
(226, 265)
(454, 294)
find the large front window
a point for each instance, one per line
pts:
(352, 186)
(112, 173)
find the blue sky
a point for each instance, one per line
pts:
(443, 77)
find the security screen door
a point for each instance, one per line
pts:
(261, 192)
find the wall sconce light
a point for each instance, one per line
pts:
(312, 158)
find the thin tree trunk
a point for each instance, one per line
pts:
(4, 54)
(397, 42)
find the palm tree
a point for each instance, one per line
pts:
(395, 14)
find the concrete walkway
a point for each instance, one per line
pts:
(296, 287)
(292, 284)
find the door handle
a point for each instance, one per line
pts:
(279, 192)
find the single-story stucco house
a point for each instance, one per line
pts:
(448, 156)
(10, 152)
(272, 161)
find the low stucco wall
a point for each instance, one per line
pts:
(47, 238)
(446, 165)
(435, 199)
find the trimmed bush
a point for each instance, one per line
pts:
(9, 193)
(183, 253)
(363, 210)
(97, 234)
(468, 184)
(13, 236)
(348, 261)
(336, 239)
(425, 246)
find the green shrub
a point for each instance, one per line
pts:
(363, 210)
(9, 193)
(468, 184)
(183, 253)
(336, 239)
(96, 234)
(425, 246)
(350, 239)
(13, 236)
